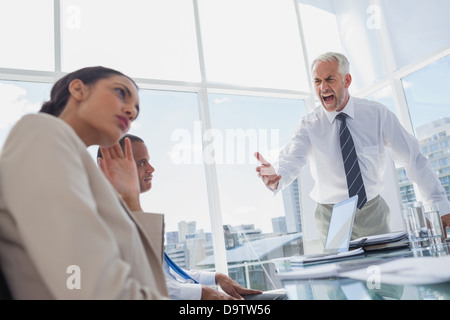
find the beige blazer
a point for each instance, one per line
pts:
(64, 233)
(153, 226)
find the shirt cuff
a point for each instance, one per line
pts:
(191, 291)
(207, 278)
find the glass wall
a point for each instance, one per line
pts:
(26, 32)
(426, 94)
(172, 131)
(18, 98)
(359, 24)
(144, 39)
(429, 107)
(221, 79)
(254, 43)
(243, 125)
(416, 29)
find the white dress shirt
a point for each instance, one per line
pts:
(374, 128)
(185, 289)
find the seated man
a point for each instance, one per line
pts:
(198, 285)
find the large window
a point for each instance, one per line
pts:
(26, 33)
(429, 108)
(170, 126)
(426, 94)
(359, 24)
(416, 29)
(320, 28)
(253, 43)
(252, 217)
(142, 38)
(244, 125)
(385, 97)
(18, 98)
(221, 79)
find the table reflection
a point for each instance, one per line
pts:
(339, 288)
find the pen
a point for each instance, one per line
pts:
(360, 243)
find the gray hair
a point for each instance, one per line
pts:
(344, 65)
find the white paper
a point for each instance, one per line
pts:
(300, 260)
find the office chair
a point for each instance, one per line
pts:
(5, 293)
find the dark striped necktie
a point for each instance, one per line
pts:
(355, 182)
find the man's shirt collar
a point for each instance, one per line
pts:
(349, 109)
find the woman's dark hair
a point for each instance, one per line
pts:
(60, 92)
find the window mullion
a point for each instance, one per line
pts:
(220, 257)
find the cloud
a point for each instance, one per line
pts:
(407, 84)
(14, 104)
(220, 101)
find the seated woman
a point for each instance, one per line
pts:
(64, 231)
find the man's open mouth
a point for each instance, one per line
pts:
(328, 98)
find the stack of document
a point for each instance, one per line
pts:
(299, 261)
(392, 240)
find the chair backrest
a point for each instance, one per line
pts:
(5, 293)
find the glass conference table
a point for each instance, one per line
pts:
(321, 282)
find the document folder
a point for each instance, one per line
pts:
(392, 240)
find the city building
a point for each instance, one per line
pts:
(434, 140)
(291, 202)
(279, 225)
